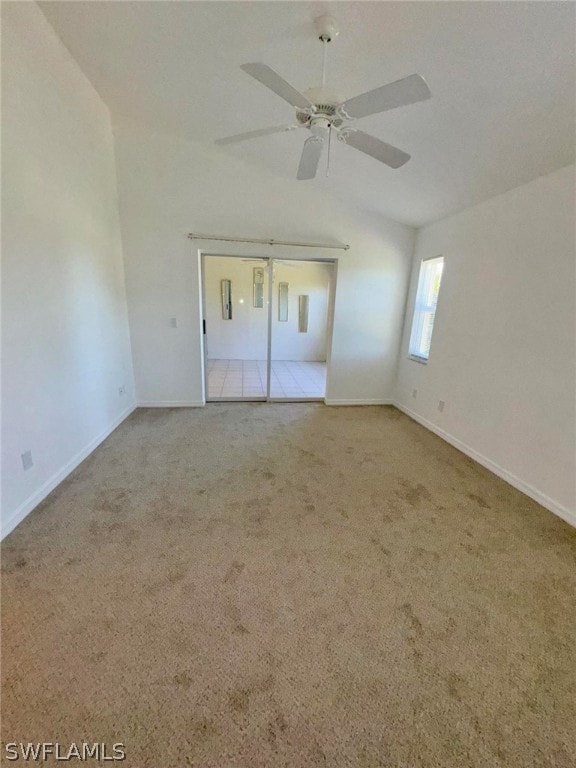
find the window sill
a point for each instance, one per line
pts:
(421, 360)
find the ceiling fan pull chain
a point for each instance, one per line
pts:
(328, 159)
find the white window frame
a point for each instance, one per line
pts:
(424, 309)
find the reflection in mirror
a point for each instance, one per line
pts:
(258, 287)
(226, 286)
(283, 302)
(303, 314)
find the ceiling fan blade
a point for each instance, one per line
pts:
(310, 158)
(409, 90)
(272, 80)
(377, 149)
(255, 134)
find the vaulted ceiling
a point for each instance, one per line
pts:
(502, 77)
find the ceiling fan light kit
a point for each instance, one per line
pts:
(320, 111)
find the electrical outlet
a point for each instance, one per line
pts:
(414, 393)
(173, 322)
(27, 462)
(441, 405)
(122, 390)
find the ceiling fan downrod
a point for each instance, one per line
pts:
(327, 29)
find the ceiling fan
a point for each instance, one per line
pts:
(321, 111)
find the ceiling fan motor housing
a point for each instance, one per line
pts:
(325, 105)
(323, 111)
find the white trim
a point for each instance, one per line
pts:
(269, 329)
(202, 323)
(377, 401)
(32, 501)
(170, 404)
(560, 510)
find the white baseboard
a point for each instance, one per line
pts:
(170, 404)
(358, 402)
(32, 501)
(558, 509)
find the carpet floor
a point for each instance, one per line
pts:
(291, 585)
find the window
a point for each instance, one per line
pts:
(425, 308)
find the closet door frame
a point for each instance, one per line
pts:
(269, 262)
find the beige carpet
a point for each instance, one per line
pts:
(291, 585)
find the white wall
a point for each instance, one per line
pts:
(169, 187)
(503, 348)
(311, 279)
(65, 342)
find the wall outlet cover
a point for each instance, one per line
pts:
(27, 462)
